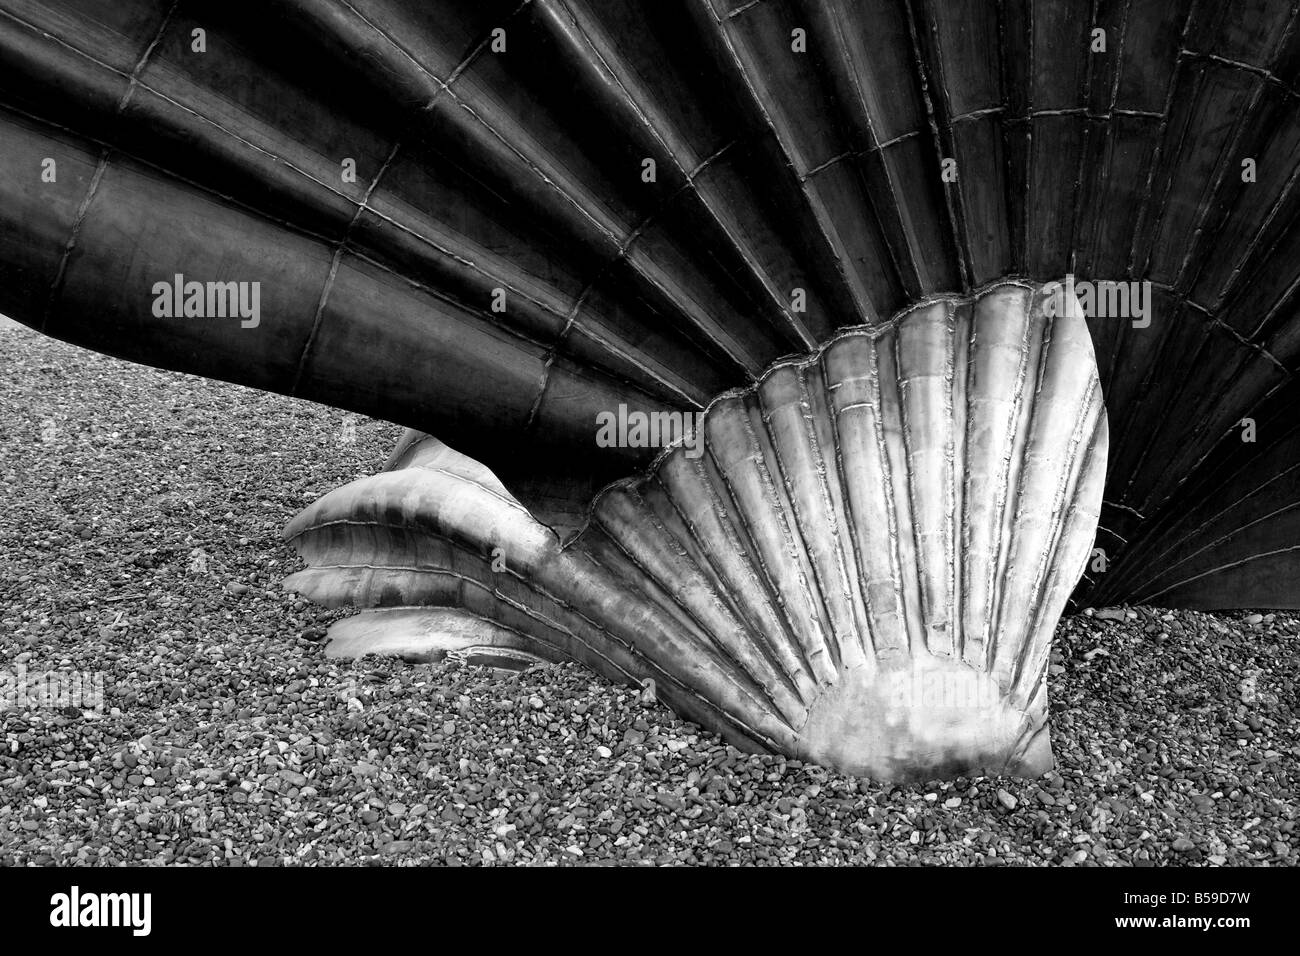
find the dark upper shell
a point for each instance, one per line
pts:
(776, 170)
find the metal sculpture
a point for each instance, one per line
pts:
(500, 223)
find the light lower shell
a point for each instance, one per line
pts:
(863, 569)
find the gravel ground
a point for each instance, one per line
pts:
(140, 541)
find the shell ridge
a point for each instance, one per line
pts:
(843, 566)
(633, 567)
(902, 640)
(689, 172)
(1065, 351)
(780, 682)
(1009, 480)
(1196, 440)
(774, 550)
(801, 584)
(869, 332)
(953, 436)
(843, 66)
(1211, 545)
(1005, 653)
(956, 218)
(377, 616)
(1214, 406)
(820, 220)
(1074, 471)
(499, 598)
(805, 525)
(1142, 228)
(919, 623)
(1031, 737)
(1140, 557)
(737, 514)
(722, 650)
(1080, 455)
(427, 528)
(671, 680)
(963, 566)
(1073, 551)
(1150, 391)
(853, 567)
(728, 562)
(1236, 563)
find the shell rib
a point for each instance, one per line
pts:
(863, 568)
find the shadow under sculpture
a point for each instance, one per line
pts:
(863, 569)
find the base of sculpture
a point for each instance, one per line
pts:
(923, 719)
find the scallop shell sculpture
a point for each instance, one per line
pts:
(860, 561)
(495, 222)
